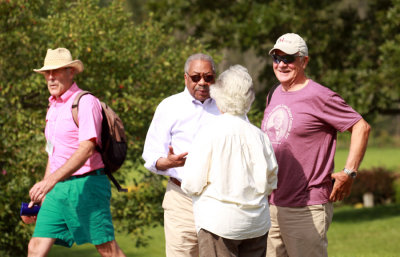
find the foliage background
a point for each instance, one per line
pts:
(134, 52)
(130, 66)
(353, 44)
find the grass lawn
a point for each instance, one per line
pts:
(363, 232)
(354, 232)
(154, 249)
(373, 232)
(374, 157)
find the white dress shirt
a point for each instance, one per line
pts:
(176, 122)
(231, 171)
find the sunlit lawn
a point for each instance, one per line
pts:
(154, 249)
(374, 157)
(353, 233)
(365, 232)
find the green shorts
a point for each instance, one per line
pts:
(77, 210)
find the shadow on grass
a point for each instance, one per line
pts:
(347, 214)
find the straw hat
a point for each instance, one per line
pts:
(59, 58)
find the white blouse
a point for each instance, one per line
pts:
(230, 171)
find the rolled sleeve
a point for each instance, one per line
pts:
(157, 141)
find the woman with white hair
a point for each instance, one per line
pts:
(232, 171)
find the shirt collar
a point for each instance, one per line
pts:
(64, 97)
(190, 98)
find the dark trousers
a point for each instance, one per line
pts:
(212, 245)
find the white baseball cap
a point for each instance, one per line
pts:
(291, 43)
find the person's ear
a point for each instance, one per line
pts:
(186, 78)
(305, 62)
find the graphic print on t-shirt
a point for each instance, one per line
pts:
(278, 123)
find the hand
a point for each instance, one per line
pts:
(172, 160)
(29, 219)
(39, 190)
(177, 160)
(342, 186)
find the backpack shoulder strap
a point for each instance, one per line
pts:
(117, 185)
(75, 106)
(270, 93)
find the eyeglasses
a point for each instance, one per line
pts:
(196, 78)
(284, 58)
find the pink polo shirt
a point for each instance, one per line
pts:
(64, 136)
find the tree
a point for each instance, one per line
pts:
(346, 41)
(129, 66)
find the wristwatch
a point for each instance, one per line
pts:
(351, 173)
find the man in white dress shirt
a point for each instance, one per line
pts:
(232, 171)
(176, 121)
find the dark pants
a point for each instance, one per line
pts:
(212, 245)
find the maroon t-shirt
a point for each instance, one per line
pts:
(302, 127)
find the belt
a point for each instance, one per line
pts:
(175, 181)
(90, 173)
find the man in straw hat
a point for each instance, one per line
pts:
(75, 192)
(310, 115)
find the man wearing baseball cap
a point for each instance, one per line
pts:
(301, 207)
(75, 192)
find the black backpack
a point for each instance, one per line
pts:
(114, 145)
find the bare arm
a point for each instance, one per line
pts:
(47, 172)
(358, 145)
(172, 160)
(80, 156)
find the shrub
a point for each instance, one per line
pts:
(396, 187)
(131, 67)
(378, 181)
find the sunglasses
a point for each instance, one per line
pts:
(284, 58)
(196, 78)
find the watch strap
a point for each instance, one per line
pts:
(351, 173)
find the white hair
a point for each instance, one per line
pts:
(233, 91)
(199, 56)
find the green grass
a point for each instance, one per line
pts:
(374, 157)
(155, 247)
(354, 232)
(365, 232)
